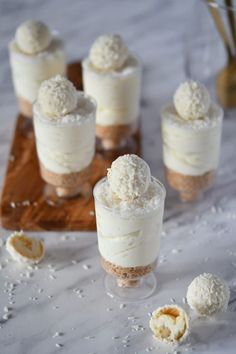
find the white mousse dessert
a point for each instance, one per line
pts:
(112, 75)
(191, 133)
(64, 122)
(36, 54)
(129, 207)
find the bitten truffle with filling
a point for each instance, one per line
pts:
(25, 249)
(170, 324)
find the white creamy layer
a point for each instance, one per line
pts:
(129, 236)
(28, 71)
(191, 147)
(66, 145)
(117, 93)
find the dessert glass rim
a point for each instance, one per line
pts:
(56, 39)
(153, 179)
(213, 105)
(61, 122)
(116, 73)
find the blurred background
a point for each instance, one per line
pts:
(174, 39)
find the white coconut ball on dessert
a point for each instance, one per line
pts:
(192, 100)
(57, 97)
(33, 37)
(108, 52)
(129, 177)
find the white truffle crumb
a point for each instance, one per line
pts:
(33, 37)
(208, 294)
(57, 334)
(129, 177)
(122, 306)
(108, 52)
(6, 316)
(58, 345)
(86, 266)
(192, 100)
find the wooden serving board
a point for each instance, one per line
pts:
(23, 202)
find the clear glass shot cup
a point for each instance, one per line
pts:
(65, 149)
(29, 71)
(117, 94)
(129, 245)
(191, 151)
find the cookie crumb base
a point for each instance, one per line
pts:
(127, 276)
(189, 187)
(113, 136)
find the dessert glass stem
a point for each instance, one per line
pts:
(109, 144)
(130, 289)
(84, 189)
(127, 283)
(67, 192)
(124, 241)
(187, 196)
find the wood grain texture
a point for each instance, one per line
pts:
(23, 202)
(226, 85)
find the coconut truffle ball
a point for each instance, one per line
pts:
(170, 324)
(57, 97)
(192, 100)
(108, 52)
(33, 37)
(129, 177)
(25, 249)
(208, 294)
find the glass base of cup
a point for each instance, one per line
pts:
(109, 144)
(190, 188)
(190, 196)
(130, 289)
(68, 193)
(56, 196)
(128, 146)
(26, 128)
(51, 196)
(115, 137)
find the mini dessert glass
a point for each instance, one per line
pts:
(66, 147)
(129, 244)
(191, 151)
(30, 70)
(117, 93)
